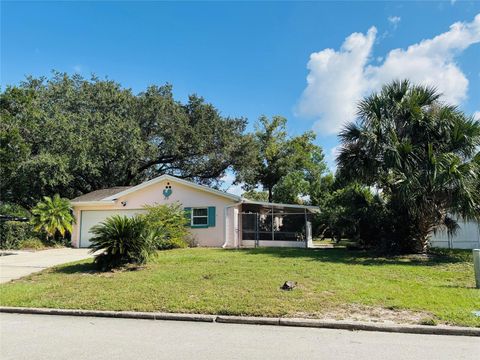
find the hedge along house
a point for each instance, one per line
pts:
(217, 218)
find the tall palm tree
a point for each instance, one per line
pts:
(53, 215)
(421, 153)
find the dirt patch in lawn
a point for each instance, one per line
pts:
(356, 312)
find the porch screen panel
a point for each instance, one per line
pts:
(274, 223)
(249, 228)
(289, 227)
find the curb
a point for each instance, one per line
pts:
(394, 328)
(251, 320)
(110, 314)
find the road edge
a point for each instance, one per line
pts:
(251, 320)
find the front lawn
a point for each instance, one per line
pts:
(332, 283)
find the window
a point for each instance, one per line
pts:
(199, 216)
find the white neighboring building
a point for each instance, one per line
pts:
(467, 237)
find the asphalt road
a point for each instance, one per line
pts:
(64, 337)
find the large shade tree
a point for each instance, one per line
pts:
(421, 153)
(286, 168)
(71, 135)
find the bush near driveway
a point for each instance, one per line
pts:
(121, 240)
(32, 244)
(12, 233)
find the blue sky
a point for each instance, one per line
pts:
(250, 58)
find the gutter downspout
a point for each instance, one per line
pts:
(225, 222)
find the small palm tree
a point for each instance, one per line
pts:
(53, 215)
(121, 240)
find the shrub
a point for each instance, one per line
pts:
(355, 213)
(32, 243)
(169, 223)
(122, 241)
(14, 210)
(13, 232)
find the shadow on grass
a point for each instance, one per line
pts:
(361, 257)
(86, 268)
(89, 268)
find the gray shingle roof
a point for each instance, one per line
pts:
(100, 194)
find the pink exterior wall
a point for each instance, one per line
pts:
(185, 195)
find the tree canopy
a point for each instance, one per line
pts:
(421, 153)
(71, 135)
(287, 168)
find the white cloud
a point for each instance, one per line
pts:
(476, 115)
(394, 20)
(339, 79)
(336, 78)
(331, 157)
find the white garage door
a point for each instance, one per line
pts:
(90, 218)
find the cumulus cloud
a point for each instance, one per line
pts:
(476, 115)
(337, 80)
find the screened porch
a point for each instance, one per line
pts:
(268, 224)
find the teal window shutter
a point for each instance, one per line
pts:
(211, 216)
(188, 215)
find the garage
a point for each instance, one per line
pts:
(89, 218)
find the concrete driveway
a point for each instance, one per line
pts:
(15, 264)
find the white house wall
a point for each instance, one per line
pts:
(232, 232)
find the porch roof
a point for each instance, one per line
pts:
(280, 205)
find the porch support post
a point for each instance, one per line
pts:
(306, 230)
(273, 231)
(257, 215)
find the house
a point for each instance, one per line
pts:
(217, 218)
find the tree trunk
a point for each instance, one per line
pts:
(270, 195)
(423, 235)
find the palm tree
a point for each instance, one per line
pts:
(421, 153)
(121, 240)
(53, 215)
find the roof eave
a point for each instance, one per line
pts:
(308, 207)
(172, 178)
(92, 203)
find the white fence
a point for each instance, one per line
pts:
(467, 237)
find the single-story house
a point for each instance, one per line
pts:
(217, 218)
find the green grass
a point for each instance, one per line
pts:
(331, 282)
